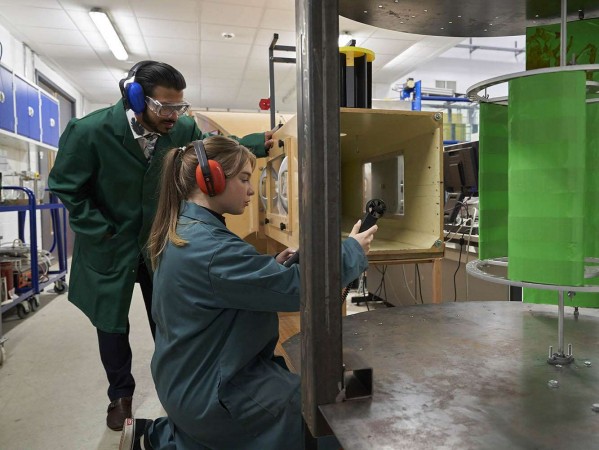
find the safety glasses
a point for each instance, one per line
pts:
(166, 109)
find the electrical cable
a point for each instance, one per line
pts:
(455, 288)
(382, 286)
(54, 221)
(364, 292)
(419, 283)
(403, 267)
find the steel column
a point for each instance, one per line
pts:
(317, 27)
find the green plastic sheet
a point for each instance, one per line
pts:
(539, 184)
(546, 178)
(493, 183)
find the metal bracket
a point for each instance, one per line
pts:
(357, 379)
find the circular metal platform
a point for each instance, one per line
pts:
(470, 375)
(468, 18)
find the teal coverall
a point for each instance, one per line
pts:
(215, 305)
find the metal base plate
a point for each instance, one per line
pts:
(467, 18)
(468, 375)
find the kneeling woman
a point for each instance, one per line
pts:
(215, 305)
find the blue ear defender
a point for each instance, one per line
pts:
(133, 94)
(135, 97)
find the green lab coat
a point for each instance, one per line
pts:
(102, 177)
(215, 303)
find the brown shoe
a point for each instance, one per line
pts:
(118, 411)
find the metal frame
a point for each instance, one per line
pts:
(272, 59)
(475, 268)
(473, 92)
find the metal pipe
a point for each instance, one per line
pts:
(564, 35)
(439, 98)
(271, 77)
(472, 48)
(280, 59)
(560, 323)
(417, 102)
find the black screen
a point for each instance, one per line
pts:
(460, 168)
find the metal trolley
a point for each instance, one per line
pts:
(27, 299)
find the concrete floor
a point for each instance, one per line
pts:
(53, 386)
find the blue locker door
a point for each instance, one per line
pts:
(22, 105)
(7, 101)
(35, 121)
(50, 124)
(27, 100)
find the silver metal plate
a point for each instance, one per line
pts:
(468, 18)
(469, 375)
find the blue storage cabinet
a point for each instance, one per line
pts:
(27, 102)
(7, 100)
(50, 120)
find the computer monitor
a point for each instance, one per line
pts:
(460, 168)
(460, 175)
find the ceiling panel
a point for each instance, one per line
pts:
(225, 50)
(44, 35)
(220, 83)
(163, 28)
(278, 18)
(235, 15)
(37, 17)
(174, 45)
(35, 3)
(182, 10)
(73, 51)
(213, 32)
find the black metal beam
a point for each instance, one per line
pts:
(279, 59)
(317, 27)
(271, 72)
(271, 79)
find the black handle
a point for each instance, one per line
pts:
(375, 209)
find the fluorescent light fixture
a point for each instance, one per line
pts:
(106, 29)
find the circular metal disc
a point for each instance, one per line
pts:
(468, 375)
(468, 18)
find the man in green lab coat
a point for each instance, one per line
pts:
(106, 173)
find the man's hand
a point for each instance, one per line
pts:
(268, 140)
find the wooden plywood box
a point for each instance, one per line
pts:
(248, 224)
(392, 155)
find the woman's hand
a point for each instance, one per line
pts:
(285, 255)
(365, 237)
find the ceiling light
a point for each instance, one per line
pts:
(226, 35)
(108, 32)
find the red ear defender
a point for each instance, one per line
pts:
(210, 175)
(217, 179)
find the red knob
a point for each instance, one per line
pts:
(264, 104)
